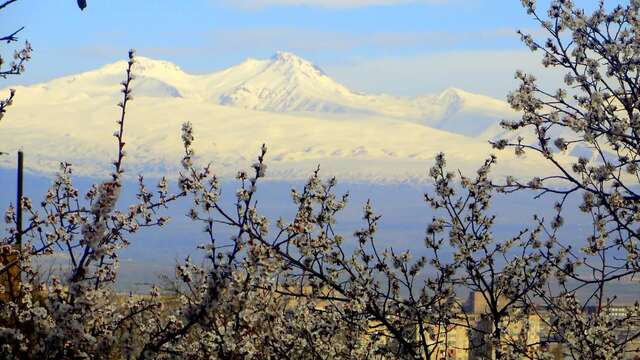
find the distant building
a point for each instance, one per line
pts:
(628, 333)
(522, 330)
(449, 342)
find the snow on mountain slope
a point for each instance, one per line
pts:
(285, 83)
(153, 78)
(304, 116)
(362, 149)
(470, 114)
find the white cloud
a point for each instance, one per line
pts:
(330, 3)
(305, 40)
(430, 62)
(489, 72)
(331, 50)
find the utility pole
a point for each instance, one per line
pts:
(11, 275)
(18, 273)
(19, 200)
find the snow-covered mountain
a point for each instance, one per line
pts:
(285, 83)
(306, 118)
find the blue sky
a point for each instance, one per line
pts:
(402, 47)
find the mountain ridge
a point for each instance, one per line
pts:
(287, 83)
(289, 103)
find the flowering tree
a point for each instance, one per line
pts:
(20, 56)
(15, 67)
(293, 289)
(46, 317)
(597, 109)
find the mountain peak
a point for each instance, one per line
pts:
(291, 62)
(143, 63)
(284, 83)
(453, 92)
(287, 57)
(144, 66)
